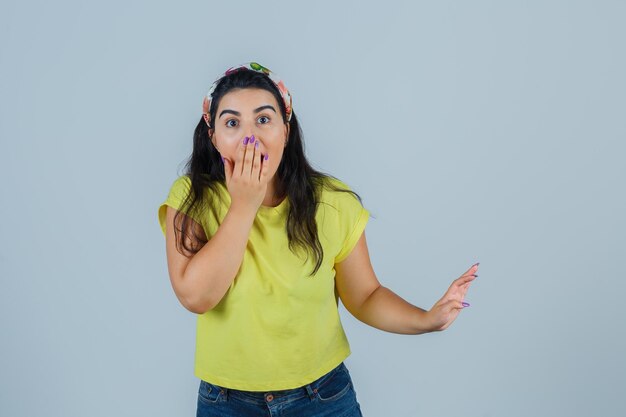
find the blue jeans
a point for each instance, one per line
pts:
(332, 394)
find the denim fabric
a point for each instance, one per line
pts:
(332, 394)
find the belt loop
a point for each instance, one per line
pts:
(311, 391)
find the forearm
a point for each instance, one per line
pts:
(211, 271)
(385, 310)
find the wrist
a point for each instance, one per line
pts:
(242, 211)
(424, 322)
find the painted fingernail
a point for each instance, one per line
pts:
(465, 304)
(256, 145)
(251, 138)
(476, 264)
(245, 141)
(222, 159)
(475, 275)
(267, 156)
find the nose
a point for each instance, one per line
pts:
(255, 136)
(249, 129)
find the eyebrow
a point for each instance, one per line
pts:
(258, 109)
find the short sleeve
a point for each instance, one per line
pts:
(177, 195)
(353, 218)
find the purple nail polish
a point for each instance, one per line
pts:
(465, 304)
(267, 156)
(252, 139)
(245, 141)
(256, 145)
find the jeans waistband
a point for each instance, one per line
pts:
(260, 397)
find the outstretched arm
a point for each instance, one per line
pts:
(387, 311)
(373, 304)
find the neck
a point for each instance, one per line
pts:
(271, 199)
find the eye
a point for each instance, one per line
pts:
(264, 117)
(228, 121)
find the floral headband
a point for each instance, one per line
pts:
(254, 66)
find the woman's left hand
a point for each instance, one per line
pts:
(445, 311)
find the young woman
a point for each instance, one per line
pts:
(261, 246)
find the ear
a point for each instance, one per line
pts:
(212, 136)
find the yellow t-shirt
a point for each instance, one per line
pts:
(275, 328)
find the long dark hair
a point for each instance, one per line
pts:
(296, 179)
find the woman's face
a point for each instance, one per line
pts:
(247, 112)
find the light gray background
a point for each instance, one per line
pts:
(488, 132)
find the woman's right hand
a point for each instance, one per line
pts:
(247, 179)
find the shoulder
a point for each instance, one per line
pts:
(181, 197)
(182, 186)
(179, 191)
(338, 194)
(333, 187)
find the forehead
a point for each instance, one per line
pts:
(243, 98)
